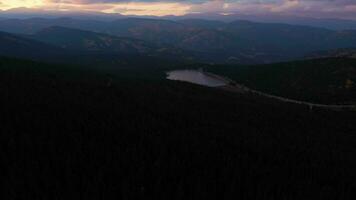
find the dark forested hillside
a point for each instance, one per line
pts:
(70, 133)
(72, 46)
(13, 45)
(335, 53)
(327, 80)
(79, 40)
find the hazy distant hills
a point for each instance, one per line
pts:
(288, 40)
(330, 23)
(79, 40)
(202, 23)
(33, 25)
(85, 40)
(189, 39)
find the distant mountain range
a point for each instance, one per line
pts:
(189, 39)
(330, 23)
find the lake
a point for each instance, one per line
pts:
(196, 77)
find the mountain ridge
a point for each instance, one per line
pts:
(239, 41)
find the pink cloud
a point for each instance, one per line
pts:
(314, 8)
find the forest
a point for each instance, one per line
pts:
(70, 132)
(323, 80)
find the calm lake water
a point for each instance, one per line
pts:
(196, 77)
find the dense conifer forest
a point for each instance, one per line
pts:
(327, 80)
(72, 133)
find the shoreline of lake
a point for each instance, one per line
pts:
(197, 77)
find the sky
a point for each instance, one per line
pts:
(308, 8)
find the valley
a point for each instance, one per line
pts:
(176, 108)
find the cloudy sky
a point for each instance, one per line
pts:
(313, 8)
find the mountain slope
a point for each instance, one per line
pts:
(336, 53)
(93, 42)
(13, 45)
(262, 42)
(201, 23)
(90, 41)
(329, 81)
(72, 46)
(290, 40)
(238, 41)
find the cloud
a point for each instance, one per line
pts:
(126, 1)
(317, 8)
(314, 8)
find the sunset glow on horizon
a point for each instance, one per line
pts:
(314, 8)
(10, 4)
